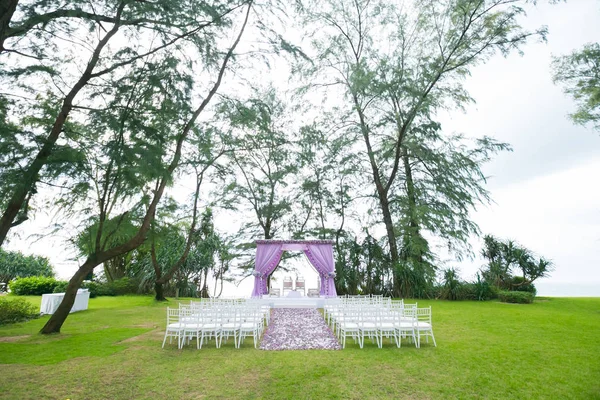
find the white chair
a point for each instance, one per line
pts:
(349, 326)
(250, 324)
(423, 326)
(313, 293)
(406, 325)
(300, 285)
(274, 292)
(388, 322)
(288, 284)
(174, 327)
(230, 325)
(210, 326)
(369, 324)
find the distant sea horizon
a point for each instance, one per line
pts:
(553, 289)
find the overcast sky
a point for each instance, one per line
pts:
(546, 192)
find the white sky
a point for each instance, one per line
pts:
(546, 192)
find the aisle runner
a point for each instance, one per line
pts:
(298, 329)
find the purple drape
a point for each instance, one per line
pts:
(267, 258)
(321, 257)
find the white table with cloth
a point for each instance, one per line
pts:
(294, 293)
(51, 301)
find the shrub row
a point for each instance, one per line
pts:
(118, 287)
(33, 285)
(516, 297)
(466, 291)
(38, 285)
(16, 309)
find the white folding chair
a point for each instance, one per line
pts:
(210, 326)
(174, 327)
(348, 325)
(369, 324)
(387, 325)
(288, 284)
(230, 325)
(423, 326)
(300, 285)
(250, 324)
(405, 324)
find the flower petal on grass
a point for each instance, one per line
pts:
(298, 329)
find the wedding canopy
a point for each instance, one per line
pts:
(318, 252)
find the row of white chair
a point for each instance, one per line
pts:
(215, 320)
(378, 317)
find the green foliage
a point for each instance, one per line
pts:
(451, 285)
(33, 285)
(482, 290)
(519, 284)
(16, 265)
(579, 73)
(16, 309)
(361, 267)
(516, 297)
(511, 266)
(118, 287)
(123, 286)
(98, 289)
(61, 286)
(263, 157)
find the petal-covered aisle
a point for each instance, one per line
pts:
(298, 329)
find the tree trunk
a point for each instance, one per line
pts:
(391, 237)
(58, 318)
(160, 294)
(414, 232)
(382, 194)
(7, 9)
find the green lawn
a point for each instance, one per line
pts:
(549, 349)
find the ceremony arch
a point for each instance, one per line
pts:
(318, 252)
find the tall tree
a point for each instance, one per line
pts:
(101, 62)
(13, 265)
(263, 161)
(207, 158)
(168, 168)
(399, 65)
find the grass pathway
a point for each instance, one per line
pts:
(298, 329)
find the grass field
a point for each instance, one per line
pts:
(546, 350)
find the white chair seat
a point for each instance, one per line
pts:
(368, 325)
